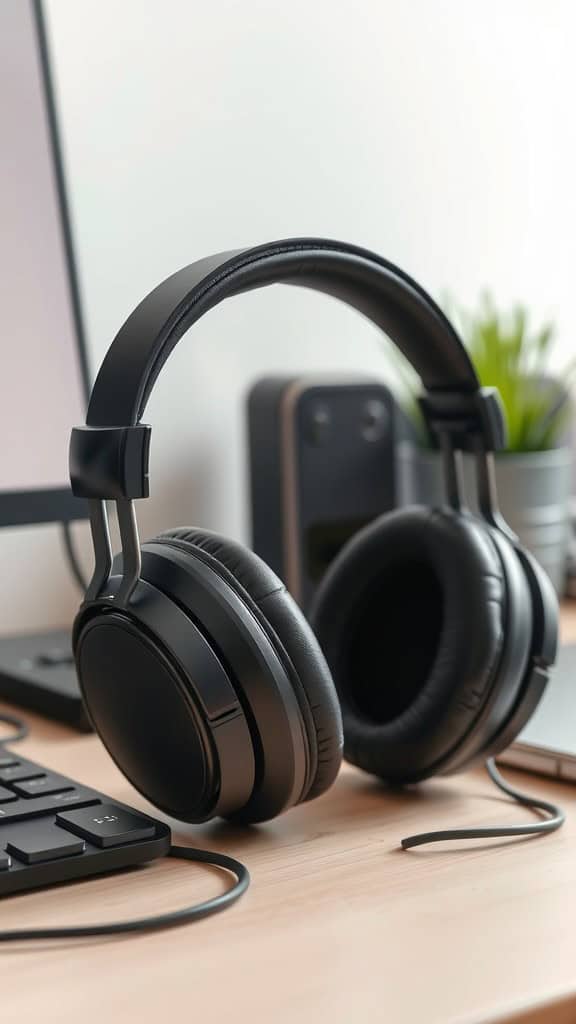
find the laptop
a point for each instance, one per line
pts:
(548, 743)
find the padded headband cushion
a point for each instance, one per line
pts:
(362, 279)
(258, 585)
(411, 618)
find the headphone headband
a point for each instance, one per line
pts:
(109, 457)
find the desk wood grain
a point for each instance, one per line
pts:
(339, 924)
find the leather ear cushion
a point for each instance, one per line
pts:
(411, 618)
(305, 663)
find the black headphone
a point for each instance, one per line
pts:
(199, 672)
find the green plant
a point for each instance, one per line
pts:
(510, 356)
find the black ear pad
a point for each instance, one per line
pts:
(293, 639)
(411, 618)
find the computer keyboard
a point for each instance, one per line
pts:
(53, 829)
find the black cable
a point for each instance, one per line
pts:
(72, 557)
(18, 724)
(556, 819)
(172, 919)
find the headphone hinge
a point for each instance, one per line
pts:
(110, 462)
(467, 417)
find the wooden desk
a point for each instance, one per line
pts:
(339, 925)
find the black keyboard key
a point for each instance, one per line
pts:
(107, 825)
(45, 805)
(6, 762)
(14, 773)
(42, 786)
(4, 861)
(70, 797)
(47, 843)
(6, 795)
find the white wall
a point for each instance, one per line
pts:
(441, 134)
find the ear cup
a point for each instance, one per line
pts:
(412, 619)
(293, 639)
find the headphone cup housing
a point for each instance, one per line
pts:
(194, 694)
